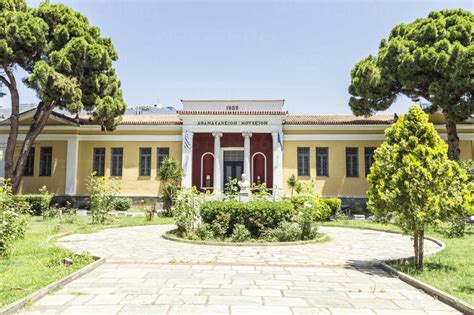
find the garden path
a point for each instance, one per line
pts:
(145, 274)
(145, 244)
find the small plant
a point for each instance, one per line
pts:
(220, 225)
(260, 192)
(308, 189)
(50, 213)
(186, 210)
(149, 213)
(240, 233)
(13, 217)
(293, 183)
(287, 232)
(333, 203)
(231, 189)
(68, 214)
(122, 204)
(102, 196)
(39, 203)
(203, 231)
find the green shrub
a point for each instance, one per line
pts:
(260, 192)
(122, 204)
(240, 233)
(68, 214)
(50, 213)
(255, 215)
(38, 203)
(186, 210)
(286, 232)
(310, 209)
(470, 210)
(13, 218)
(231, 189)
(333, 203)
(149, 213)
(315, 207)
(468, 167)
(102, 195)
(220, 225)
(203, 231)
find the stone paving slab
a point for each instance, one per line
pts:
(145, 244)
(146, 274)
(183, 289)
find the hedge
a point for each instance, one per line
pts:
(38, 203)
(257, 216)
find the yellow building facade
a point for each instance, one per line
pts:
(212, 140)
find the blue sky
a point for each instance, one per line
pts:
(301, 51)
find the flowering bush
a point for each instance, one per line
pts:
(186, 209)
(13, 217)
(102, 197)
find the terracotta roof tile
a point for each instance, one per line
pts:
(138, 120)
(231, 113)
(173, 119)
(338, 120)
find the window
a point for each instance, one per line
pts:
(352, 163)
(30, 163)
(99, 162)
(303, 161)
(145, 161)
(117, 162)
(46, 159)
(369, 159)
(322, 162)
(163, 154)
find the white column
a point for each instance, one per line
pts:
(277, 165)
(71, 166)
(187, 159)
(3, 148)
(217, 185)
(247, 161)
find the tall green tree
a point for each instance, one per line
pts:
(68, 65)
(430, 61)
(412, 181)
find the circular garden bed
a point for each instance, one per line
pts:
(257, 222)
(173, 235)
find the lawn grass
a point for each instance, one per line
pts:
(36, 261)
(451, 270)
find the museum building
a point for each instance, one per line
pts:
(214, 140)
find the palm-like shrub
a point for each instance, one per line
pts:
(170, 174)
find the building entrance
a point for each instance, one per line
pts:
(233, 165)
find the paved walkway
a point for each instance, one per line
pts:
(146, 274)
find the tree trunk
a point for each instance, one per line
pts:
(14, 121)
(415, 246)
(421, 249)
(453, 139)
(37, 124)
(418, 240)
